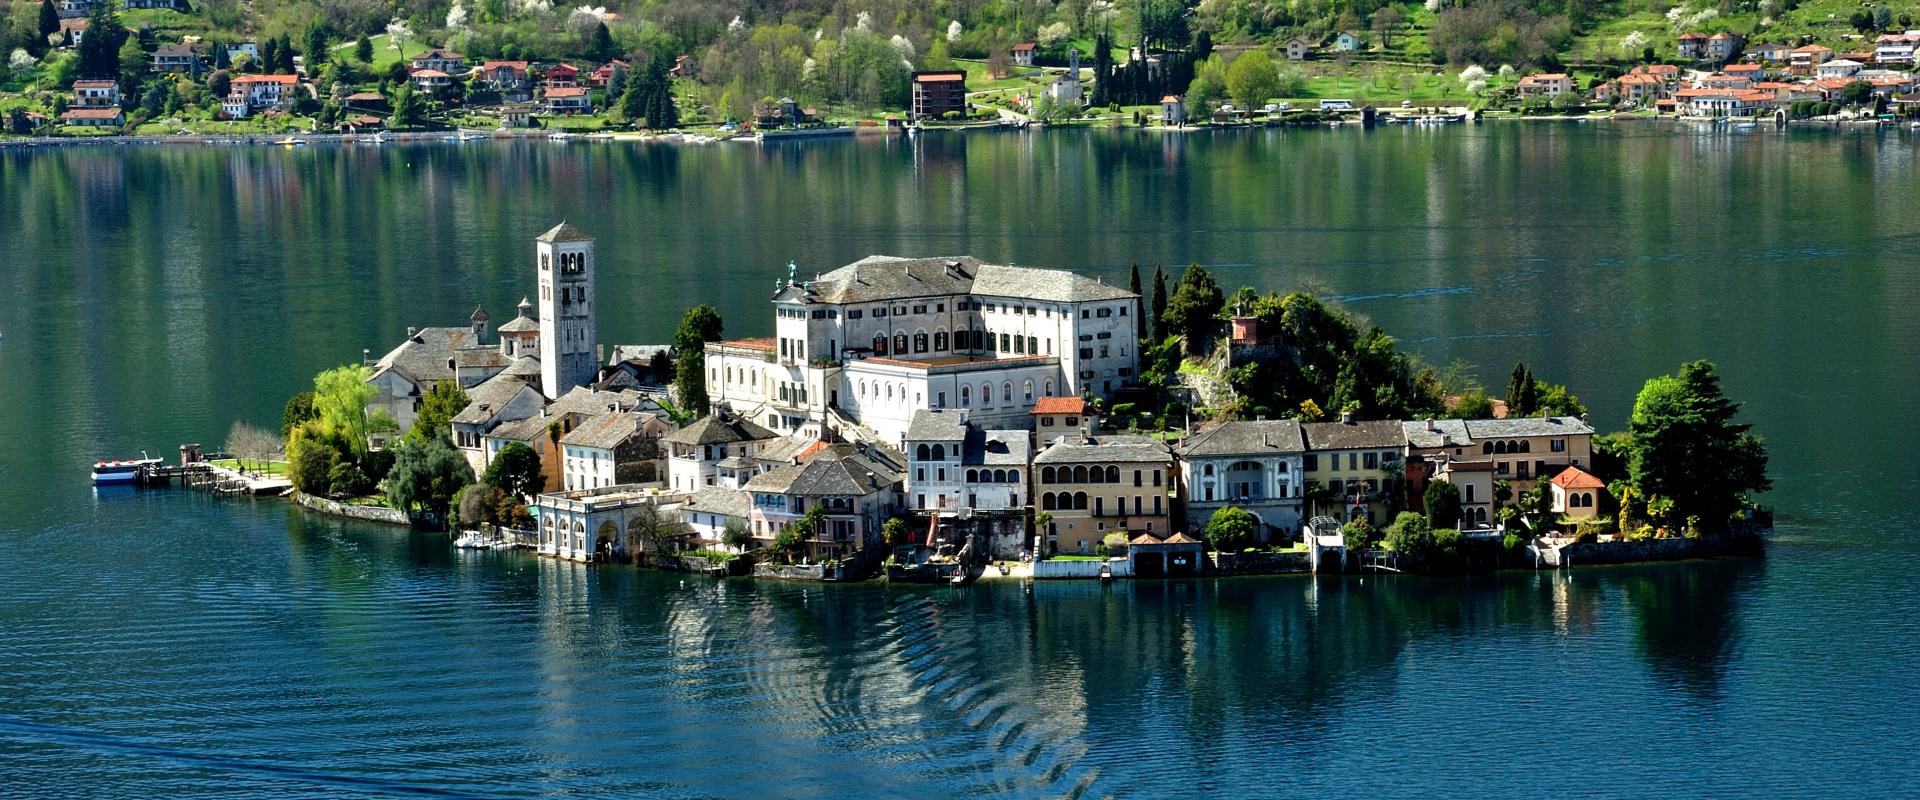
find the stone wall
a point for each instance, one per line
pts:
(1262, 563)
(1624, 552)
(1054, 568)
(789, 572)
(365, 513)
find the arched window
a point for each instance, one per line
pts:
(922, 452)
(1096, 475)
(966, 395)
(940, 341)
(879, 344)
(973, 476)
(999, 476)
(1029, 390)
(1046, 501)
(889, 391)
(1486, 448)
(1006, 392)
(939, 452)
(1013, 476)
(986, 394)
(920, 341)
(1526, 445)
(1079, 501)
(900, 342)
(1049, 387)
(1207, 470)
(1113, 474)
(1080, 474)
(1046, 474)
(1500, 448)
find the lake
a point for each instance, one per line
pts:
(167, 644)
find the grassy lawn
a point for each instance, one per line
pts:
(239, 127)
(384, 54)
(276, 468)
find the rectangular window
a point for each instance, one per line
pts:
(1033, 345)
(920, 309)
(1020, 344)
(879, 312)
(920, 474)
(1005, 345)
(1353, 461)
(1156, 505)
(1086, 352)
(942, 403)
(1373, 461)
(855, 314)
(1156, 482)
(1558, 446)
(1136, 477)
(1311, 462)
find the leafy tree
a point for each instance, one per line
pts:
(1253, 79)
(99, 50)
(701, 324)
(1856, 93)
(736, 536)
(315, 47)
(894, 531)
(1688, 448)
(443, 402)
(299, 408)
(1474, 404)
(1442, 502)
(1231, 529)
(1554, 400)
(1360, 534)
(1133, 285)
(312, 451)
(516, 471)
(473, 505)
(1114, 544)
(793, 540)
(1165, 23)
(409, 108)
(659, 533)
(340, 397)
(1194, 310)
(1410, 535)
(363, 50)
(347, 479)
(425, 476)
(269, 54)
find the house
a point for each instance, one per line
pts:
(1896, 48)
(1576, 493)
(857, 485)
(1890, 86)
(603, 75)
(1803, 59)
(1064, 91)
(1474, 480)
(1667, 73)
(618, 448)
(72, 31)
(1023, 54)
(171, 5)
(1768, 53)
(93, 117)
(249, 50)
(1353, 467)
(496, 401)
(1692, 46)
(179, 58)
(1298, 49)
(568, 100)
(603, 524)
(543, 432)
(506, 77)
(1056, 416)
(442, 60)
(953, 464)
(1173, 111)
(1527, 449)
(1837, 68)
(1097, 486)
(1722, 47)
(561, 76)
(96, 94)
(710, 512)
(370, 102)
(935, 94)
(1545, 84)
(1751, 73)
(1638, 88)
(431, 81)
(250, 93)
(1724, 81)
(1347, 41)
(871, 343)
(1255, 465)
(714, 450)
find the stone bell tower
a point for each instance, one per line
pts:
(567, 356)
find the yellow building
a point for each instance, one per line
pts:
(1352, 468)
(1096, 486)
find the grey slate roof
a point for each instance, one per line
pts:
(423, 358)
(486, 401)
(719, 500)
(564, 232)
(997, 449)
(582, 400)
(1368, 434)
(719, 428)
(481, 357)
(604, 432)
(521, 325)
(1246, 437)
(527, 430)
(1103, 450)
(1444, 433)
(877, 278)
(937, 425)
(783, 449)
(1514, 427)
(838, 470)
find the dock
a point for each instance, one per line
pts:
(209, 478)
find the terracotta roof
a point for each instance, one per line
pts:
(1022, 47)
(493, 65)
(95, 84)
(1723, 35)
(1059, 405)
(91, 113)
(567, 91)
(284, 80)
(1690, 36)
(1576, 478)
(763, 343)
(939, 77)
(430, 73)
(1172, 98)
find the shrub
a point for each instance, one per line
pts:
(1115, 544)
(1511, 543)
(1231, 529)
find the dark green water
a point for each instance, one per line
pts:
(169, 645)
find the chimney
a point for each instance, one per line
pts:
(412, 332)
(600, 353)
(1433, 425)
(1264, 442)
(1346, 418)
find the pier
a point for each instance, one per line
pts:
(209, 478)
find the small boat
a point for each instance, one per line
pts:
(122, 470)
(468, 136)
(374, 139)
(291, 142)
(471, 540)
(559, 136)
(1106, 573)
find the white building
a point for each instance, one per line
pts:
(953, 464)
(715, 450)
(567, 357)
(1255, 465)
(620, 448)
(711, 510)
(875, 341)
(1837, 68)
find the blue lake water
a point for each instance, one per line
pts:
(166, 644)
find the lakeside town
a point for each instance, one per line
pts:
(941, 419)
(167, 69)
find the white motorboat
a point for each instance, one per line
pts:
(471, 540)
(291, 142)
(559, 136)
(122, 470)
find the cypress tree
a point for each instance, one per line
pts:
(1159, 304)
(363, 50)
(1516, 386)
(1133, 285)
(49, 20)
(316, 48)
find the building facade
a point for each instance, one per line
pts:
(1356, 467)
(1254, 465)
(567, 353)
(1097, 486)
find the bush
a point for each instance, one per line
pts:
(1231, 529)
(1410, 535)
(1511, 543)
(1361, 534)
(1115, 544)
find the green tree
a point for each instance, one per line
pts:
(1516, 387)
(425, 476)
(1253, 79)
(315, 47)
(1164, 24)
(894, 531)
(793, 540)
(363, 50)
(409, 108)
(49, 20)
(1140, 319)
(1159, 309)
(1856, 93)
(135, 66)
(99, 50)
(701, 324)
(1114, 544)
(311, 454)
(1553, 399)
(437, 410)
(1231, 529)
(1410, 535)
(340, 397)
(1442, 502)
(601, 47)
(1474, 404)
(737, 536)
(1688, 448)
(299, 409)
(516, 471)
(1194, 310)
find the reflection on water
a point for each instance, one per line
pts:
(1688, 620)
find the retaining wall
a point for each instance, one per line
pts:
(1056, 569)
(365, 513)
(1262, 563)
(1624, 552)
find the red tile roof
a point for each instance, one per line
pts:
(940, 77)
(1022, 47)
(91, 113)
(1059, 405)
(1576, 478)
(567, 91)
(284, 80)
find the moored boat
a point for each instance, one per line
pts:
(122, 470)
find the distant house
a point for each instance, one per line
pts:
(248, 49)
(1347, 41)
(1252, 465)
(1576, 493)
(1173, 110)
(1023, 54)
(568, 100)
(174, 5)
(1726, 102)
(1721, 80)
(1804, 58)
(1896, 48)
(1752, 73)
(370, 102)
(93, 117)
(710, 512)
(502, 76)
(443, 60)
(1298, 49)
(431, 81)
(561, 76)
(936, 93)
(1722, 46)
(1768, 52)
(1638, 88)
(603, 75)
(72, 31)
(251, 93)
(1837, 68)
(1545, 84)
(96, 94)
(179, 58)
(613, 449)
(1064, 90)
(1692, 46)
